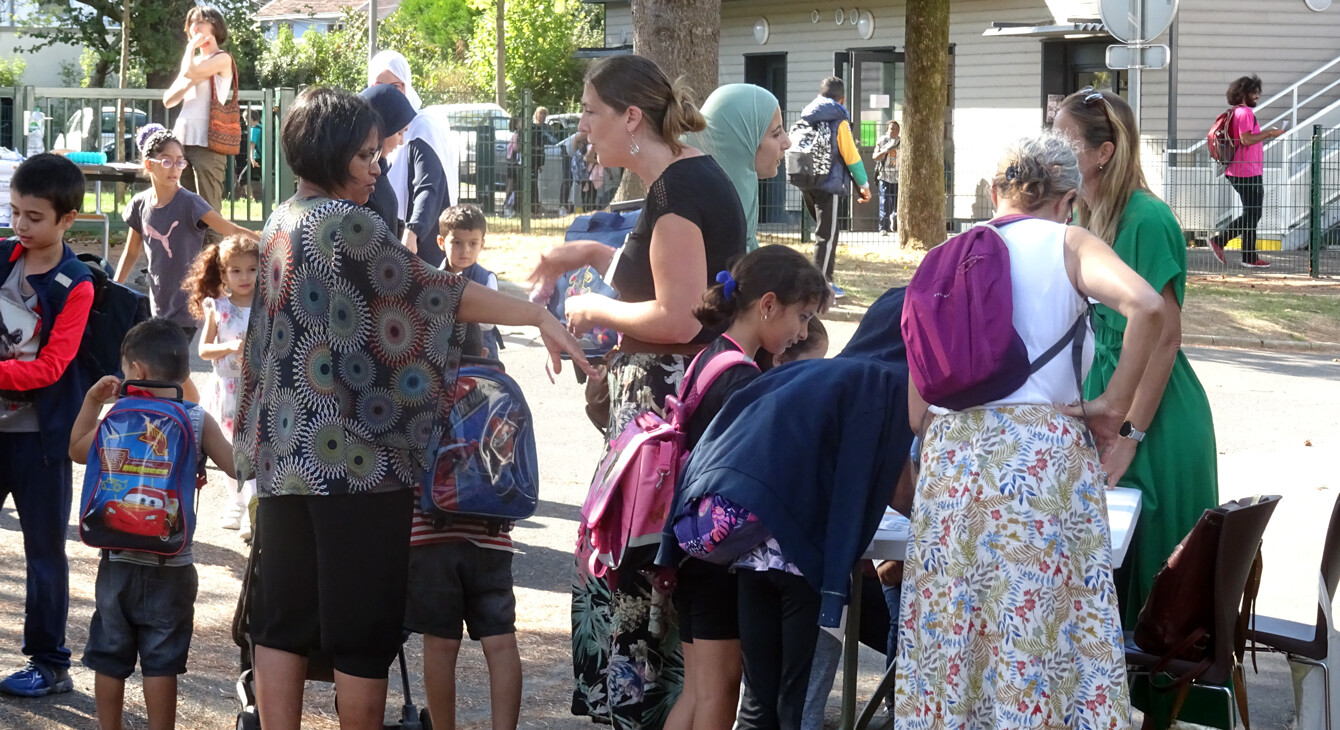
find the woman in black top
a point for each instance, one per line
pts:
(395, 113)
(627, 661)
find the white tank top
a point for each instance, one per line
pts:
(192, 126)
(1046, 305)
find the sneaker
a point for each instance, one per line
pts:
(1257, 264)
(884, 233)
(33, 681)
(231, 522)
(838, 292)
(1217, 249)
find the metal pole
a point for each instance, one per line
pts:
(500, 57)
(527, 162)
(1140, 58)
(372, 28)
(1314, 211)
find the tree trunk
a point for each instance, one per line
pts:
(683, 37)
(921, 166)
(98, 79)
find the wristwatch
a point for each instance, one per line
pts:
(1131, 432)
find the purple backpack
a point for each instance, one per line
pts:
(958, 322)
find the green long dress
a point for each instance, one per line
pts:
(1176, 466)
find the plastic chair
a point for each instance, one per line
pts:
(1310, 643)
(1239, 541)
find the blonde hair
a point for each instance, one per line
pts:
(667, 108)
(206, 277)
(1037, 170)
(1107, 118)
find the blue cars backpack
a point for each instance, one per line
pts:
(484, 465)
(140, 483)
(610, 228)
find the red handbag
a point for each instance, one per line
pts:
(225, 120)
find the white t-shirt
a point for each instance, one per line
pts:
(192, 126)
(19, 327)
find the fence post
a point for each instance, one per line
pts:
(269, 126)
(524, 202)
(24, 100)
(1314, 212)
(285, 185)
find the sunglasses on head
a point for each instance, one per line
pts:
(1091, 95)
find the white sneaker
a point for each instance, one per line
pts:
(231, 519)
(245, 532)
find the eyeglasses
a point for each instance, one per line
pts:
(168, 164)
(371, 157)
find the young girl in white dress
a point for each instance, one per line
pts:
(221, 285)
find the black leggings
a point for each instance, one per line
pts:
(1253, 196)
(779, 625)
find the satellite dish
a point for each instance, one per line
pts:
(1137, 21)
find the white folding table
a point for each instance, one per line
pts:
(890, 543)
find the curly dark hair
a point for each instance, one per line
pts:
(1243, 87)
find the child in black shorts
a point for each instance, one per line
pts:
(144, 603)
(461, 573)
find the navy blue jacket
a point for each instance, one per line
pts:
(828, 112)
(57, 404)
(814, 449)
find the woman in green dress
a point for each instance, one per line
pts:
(1166, 447)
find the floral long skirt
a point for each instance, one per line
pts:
(1009, 616)
(625, 640)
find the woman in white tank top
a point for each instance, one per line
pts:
(1014, 619)
(205, 69)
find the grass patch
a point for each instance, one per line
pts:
(1272, 309)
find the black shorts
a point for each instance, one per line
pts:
(706, 602)
(452, 582)
(331, 576)
(143, 611)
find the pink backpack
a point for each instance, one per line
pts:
(632, 493)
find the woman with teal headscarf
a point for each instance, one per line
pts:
(746, 137)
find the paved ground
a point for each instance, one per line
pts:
(1268, 407)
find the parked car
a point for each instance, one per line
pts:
(463, 120)
(79, 134)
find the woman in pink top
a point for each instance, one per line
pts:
(1244, 172)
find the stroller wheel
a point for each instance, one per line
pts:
(248, 720)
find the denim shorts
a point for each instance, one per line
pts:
(141, 610)
(452, 582)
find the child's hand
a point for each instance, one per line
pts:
(104, 391)
(235, 347)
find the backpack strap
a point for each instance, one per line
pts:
(713, 369)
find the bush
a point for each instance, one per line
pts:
(11, 71)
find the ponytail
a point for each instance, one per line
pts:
(786, 273)
(667, 108)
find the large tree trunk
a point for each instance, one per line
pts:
(921, 166)
(683, 37)
(98, 78)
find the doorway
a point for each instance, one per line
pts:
(1070, 65)
(874, 81)
(769, 71)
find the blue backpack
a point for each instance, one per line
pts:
(484, 465)
(611, 229)
(141, 480)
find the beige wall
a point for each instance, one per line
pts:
(44, 65)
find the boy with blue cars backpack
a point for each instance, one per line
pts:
(138, 507)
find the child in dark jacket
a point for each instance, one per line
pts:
(766, 301)
(45, 297)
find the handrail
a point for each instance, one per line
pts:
(65, 92)
(1292, 112)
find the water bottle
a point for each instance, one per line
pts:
(36, 128)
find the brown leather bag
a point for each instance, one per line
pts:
(225, 119)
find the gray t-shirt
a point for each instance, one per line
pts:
(197, 416)
(174, 233)
(19, 326)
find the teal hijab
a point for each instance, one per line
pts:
(738, 116)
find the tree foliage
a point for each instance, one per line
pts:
(339, 57)
(157, 35)
(11, 71)
(541, 37)
(446, 24)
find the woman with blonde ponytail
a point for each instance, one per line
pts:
(1167, 440)
(626, 655)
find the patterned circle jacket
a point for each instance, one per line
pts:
(349, 352)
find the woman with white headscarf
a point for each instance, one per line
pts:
(421, 170)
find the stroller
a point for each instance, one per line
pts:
(318, 667)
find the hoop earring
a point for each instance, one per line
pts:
(633, 147)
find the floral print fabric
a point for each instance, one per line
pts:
(1009, 617)
(625, 641)
(221, 393)
(347, 357)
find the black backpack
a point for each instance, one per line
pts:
(810, 158)
(116, 308)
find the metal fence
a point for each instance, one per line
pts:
(85, 120)
(536, 191)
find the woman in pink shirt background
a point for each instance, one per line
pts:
(1244, 172)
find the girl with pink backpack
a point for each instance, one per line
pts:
(765, 301)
